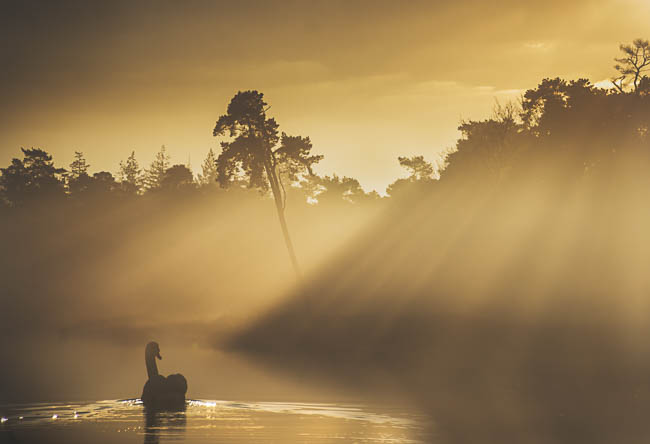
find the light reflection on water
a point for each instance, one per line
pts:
(207, 421)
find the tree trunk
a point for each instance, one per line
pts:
(277, 197)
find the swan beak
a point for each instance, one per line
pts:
(158, 356)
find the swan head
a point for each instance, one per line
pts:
(152, 349)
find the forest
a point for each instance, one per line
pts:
(524, 244)
(581, 130)
(565, 139)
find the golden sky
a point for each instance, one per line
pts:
(367, 80)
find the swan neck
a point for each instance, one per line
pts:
(152, 368)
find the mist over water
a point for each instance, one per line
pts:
(86, 289)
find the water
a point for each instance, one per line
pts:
(204, 421)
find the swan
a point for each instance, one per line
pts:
(161, 393)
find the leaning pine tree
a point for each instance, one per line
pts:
(253, 149)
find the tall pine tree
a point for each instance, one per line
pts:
(79, 166)
(209, 170)
(130, 175)
(155, 174)
(78, 178)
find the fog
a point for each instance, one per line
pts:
(502, 291)
(509, 298)
(517, 315)
(85, 289)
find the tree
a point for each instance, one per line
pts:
(79, 166)
(418, 168)
(176, 178)
(130, 175)
(334, 189)
(209, 170)
(295, 166)
(295, 158)
(156, 172)
(35, 177)
(251, 152)
(635, 61)
(644, 86)
(420, 172)
(487, 149)
(102, 182)
(78, 179)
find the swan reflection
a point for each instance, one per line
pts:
(166, 423)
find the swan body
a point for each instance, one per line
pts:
(159, 392)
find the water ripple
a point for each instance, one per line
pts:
(209, 420)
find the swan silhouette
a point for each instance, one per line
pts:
(160, 393)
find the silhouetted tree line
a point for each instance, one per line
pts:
(561, 132)
(35, 179)
(576, 127)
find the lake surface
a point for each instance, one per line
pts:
(206, 421)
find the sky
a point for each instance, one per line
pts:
(368, 81)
